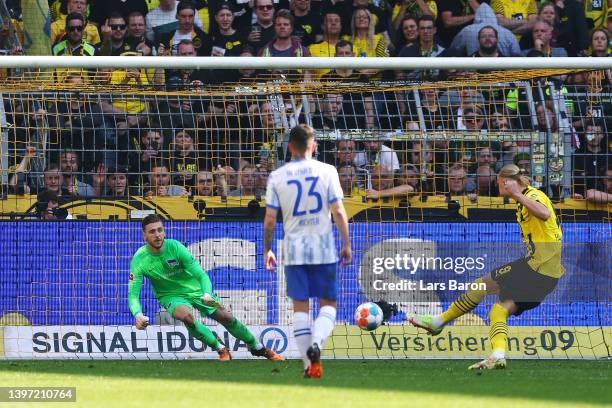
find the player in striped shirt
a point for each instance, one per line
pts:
(306, 191)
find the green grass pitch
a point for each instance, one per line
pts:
(355, 383)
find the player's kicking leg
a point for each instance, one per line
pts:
(464, 304)
(239, 330)
(521, 288)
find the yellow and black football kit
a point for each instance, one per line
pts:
(528, 280)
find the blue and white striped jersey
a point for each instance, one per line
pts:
(304, 191)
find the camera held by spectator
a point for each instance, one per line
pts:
(47, 207)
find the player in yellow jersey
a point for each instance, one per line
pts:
(520, 285)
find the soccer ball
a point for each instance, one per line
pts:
(368, 316)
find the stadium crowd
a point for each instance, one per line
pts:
(187, 145)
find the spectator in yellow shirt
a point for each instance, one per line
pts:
(129, 110)
(365, 42)
(332, 27)
(58, 27)
(595, 12)
(518, 16)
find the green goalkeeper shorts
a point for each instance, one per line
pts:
(172, 302)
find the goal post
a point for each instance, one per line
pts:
(465, 63)
(163, 140)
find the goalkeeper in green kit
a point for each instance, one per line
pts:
(180, 284)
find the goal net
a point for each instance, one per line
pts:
(417, 160)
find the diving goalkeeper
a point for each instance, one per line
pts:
(180, 284)
(520, 285)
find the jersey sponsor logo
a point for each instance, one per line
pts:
(274, 338)
(596, 5)
(172, 263)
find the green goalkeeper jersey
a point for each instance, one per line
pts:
(173, 272)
